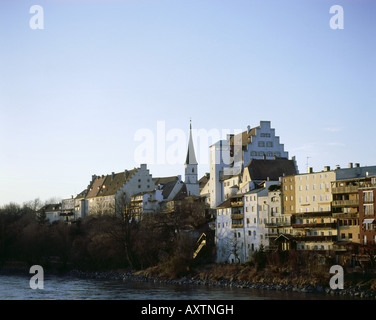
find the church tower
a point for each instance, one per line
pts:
(191, 174)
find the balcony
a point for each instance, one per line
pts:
(66, 214)
(236, 204)
(331, 225)
(235, 226)
(237, 216)
(316, 238)
(271, 235)
(347, 189)
(277, 224)
(344, 215)
(311, 214)
(345, 203)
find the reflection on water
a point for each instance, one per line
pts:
(16, 287)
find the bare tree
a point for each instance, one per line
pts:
(122, 227)
(233, 247)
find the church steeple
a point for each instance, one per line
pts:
(191, 174)
(191, 157)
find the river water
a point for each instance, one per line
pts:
(17, 287)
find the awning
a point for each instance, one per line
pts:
(365, 221)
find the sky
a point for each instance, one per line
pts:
(107, 85)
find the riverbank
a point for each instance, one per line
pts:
(238, 276)
(356, 285)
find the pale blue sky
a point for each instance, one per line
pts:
(73, 95)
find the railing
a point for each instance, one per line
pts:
(236, 203)
(277, 224)
(345, 215)
(271, 235)
(237, 216)
(316, 238)
(347, 189)
(340, 203)
(235, 226)
(331, 225)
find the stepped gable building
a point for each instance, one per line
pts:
(229, 157)
(106, 189)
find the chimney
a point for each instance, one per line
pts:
(338, 167)
(327, 168)
(350, 165)
(310, 170)
(248, 129)
(112, 176)
(93, 177)
(356, 165)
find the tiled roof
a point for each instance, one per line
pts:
(245, 137)
(164, 180)
(114, 182)
(110, 184)
(262, 169)
(167, 188)
(182, 194)
(95, 187)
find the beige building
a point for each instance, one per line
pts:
(314, 199)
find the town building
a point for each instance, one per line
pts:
(315, 209)
(106, 189)
(228, 157)
(367, 214)
(251, 215)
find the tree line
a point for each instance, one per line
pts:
(117, 239)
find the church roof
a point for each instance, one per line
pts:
(191, 157)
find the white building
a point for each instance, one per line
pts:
(106, 189)
(243, 223)
(228, 157)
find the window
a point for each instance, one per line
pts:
(368, 209)
(261, 144)
(269, 144)
(368, 196)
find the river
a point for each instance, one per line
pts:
(17, 287)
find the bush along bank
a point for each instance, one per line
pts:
(238, 276)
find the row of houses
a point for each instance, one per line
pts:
(258, 196)
(261, 199)
(143, 192)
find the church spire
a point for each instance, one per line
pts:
(191, 157)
